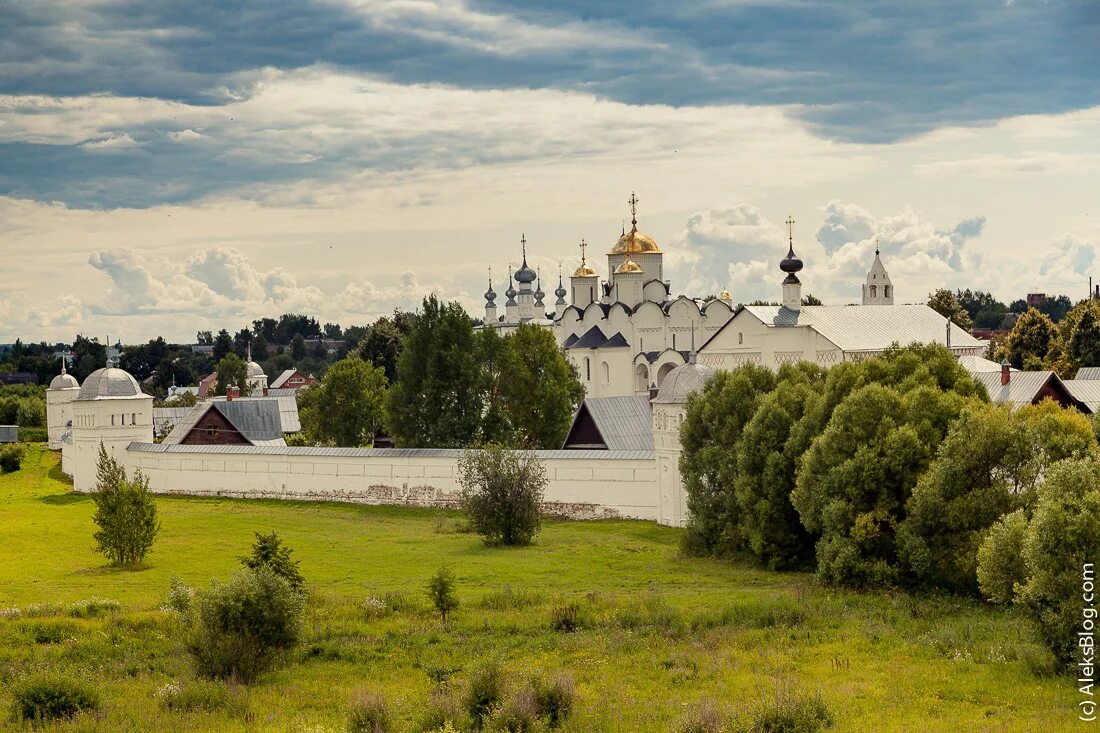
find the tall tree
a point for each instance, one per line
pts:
(539, 386)
(88, 355)
(1080, 333)
(943, 301)
(1030, 341)
(223, 344)
(439, 396)
(232, 372)
(496, 423)
(346, 408)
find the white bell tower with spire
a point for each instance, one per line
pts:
(878, 290)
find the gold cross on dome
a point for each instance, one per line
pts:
(633, 207)
(790, 229)
(583, 246)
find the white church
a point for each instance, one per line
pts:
(626, 333)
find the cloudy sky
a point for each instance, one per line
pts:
(168, 166)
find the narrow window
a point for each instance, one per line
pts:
(740, 337)
(112, 421)
(133, 418)
(587, 369)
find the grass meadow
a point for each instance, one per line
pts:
(660, 634)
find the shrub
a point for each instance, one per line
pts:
(441, 711)
(199, 695)
(566, 617)
(268, 551)
(501, 493)
(441, 591)
(11, 457)
(238, 629)
(51, 631)
(52, 696)
(180, 596)
(791, 713)
(518, 714)
(706, 718)
(93, 608)
(508, 598)
(125, 513)
(1000, 558)
(369, 714)
(33, 435)
(483, 693)
(555, 698)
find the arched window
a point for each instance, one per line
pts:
(606, 373)
(133, 418)
(740, 337)
(886, 291)
(874, 291)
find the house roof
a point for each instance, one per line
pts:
(594, 339)
(257, 420)
(166, 418)
(624, 422)
(1085, 390)
(1023, 388)
(1087, 373)
(975, 364)
(865, 327)
(281, 379)
(288, 407)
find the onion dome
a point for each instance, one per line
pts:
(560, 291)
(109, 383)
(634, 242)
(490, 294)
(510, 293)
(628, 267)
(64, 380)
(725, 295)
(790, 264)
(525, 274)
(539, 295)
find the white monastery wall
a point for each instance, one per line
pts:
(582, 484)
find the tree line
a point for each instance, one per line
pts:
(896, 472)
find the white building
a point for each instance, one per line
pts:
(257, 380)
(62, 391)
(110, 409)
(525, 305)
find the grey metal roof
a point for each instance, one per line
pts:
(110, 383)
(594, 339)
(1086, 391)
(320, 452)
(1021, 389)
(257, 420)
(281, 379)
(288, 407)
(975, 364)
(166, 418)
(624, 422)
(866, 327)
(64, 381)
(9, 433)
(1083, 373)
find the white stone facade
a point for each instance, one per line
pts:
(59, 407)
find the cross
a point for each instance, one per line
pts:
(633, 207)
(583, 246)
(790, 230)
(523, 242)
(876, 246)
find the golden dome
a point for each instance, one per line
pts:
(628, 266)
(634, 242)
(725, 295)
(585, 271)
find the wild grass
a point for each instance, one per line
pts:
(658, 637)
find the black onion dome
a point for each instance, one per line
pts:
(791, 263)
(490, 296)
(525, 274)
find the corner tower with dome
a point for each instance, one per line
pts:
(110, 409)
(62, 391)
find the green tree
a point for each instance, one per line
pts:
(439, 396)
(502, 493)
(124, 513)
(347, 406)
(712, 429)
(441, 592)
(223, 345)
(539, 386)
(988, 465)
(493, 352)
(1080, 333)
(943, 301)
(268, 551)
(1030, 341)
(382, 346)
(1058, 549)
(768, 523)
(232, 372)
(857, 476)
(298, 348)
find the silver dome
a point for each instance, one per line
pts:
(682, 381)
(64, 381)
(254, 369)
(109, 383)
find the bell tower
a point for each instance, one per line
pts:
(878, 290)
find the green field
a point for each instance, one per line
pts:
(661, 633)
